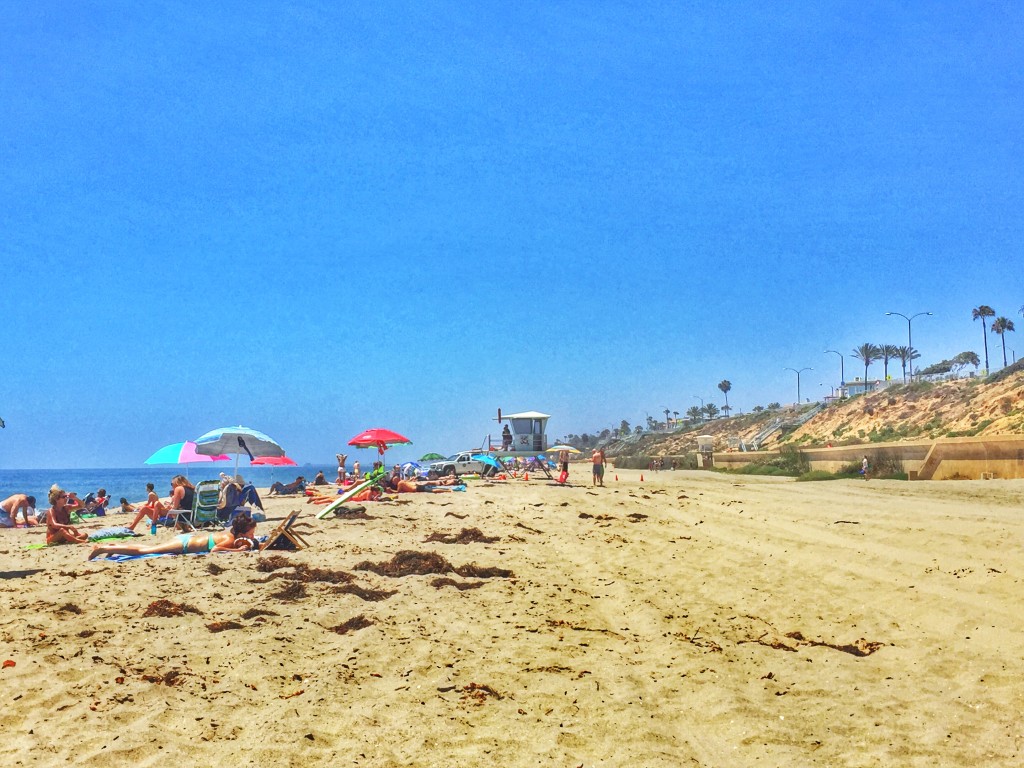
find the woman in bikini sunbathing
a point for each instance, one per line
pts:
(239, 538)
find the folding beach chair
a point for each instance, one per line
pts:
(285, 536)
(204, 507)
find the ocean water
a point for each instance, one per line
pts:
(131, 482)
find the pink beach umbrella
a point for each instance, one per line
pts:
(183, 453)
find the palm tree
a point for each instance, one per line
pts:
(725, 385)
(867, 353)
(982, 312)
(1001, 325)
(889, 352)
(667, 412)
(695, 413)
(905, 355)
(711, 410)
(675, 416)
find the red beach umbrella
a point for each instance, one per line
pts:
(381, 438)
(274, 461)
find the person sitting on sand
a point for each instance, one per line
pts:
(280, 488)
(127, 508)
(152, 509)
(239, 538)
(236, 493)
(10, 507)
(320, 479)
(59, 529)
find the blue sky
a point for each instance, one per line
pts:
(312, 219)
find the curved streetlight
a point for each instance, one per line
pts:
(794, 370)
(910, 342)
(842, 374)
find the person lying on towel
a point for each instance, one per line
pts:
(280, 488)
(241, 537)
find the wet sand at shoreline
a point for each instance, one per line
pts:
(690, 619)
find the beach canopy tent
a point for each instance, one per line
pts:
(236, 441)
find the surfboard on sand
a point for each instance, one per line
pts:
(354, 490)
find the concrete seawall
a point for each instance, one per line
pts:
(971, 458)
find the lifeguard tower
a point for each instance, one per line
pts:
(527, 431)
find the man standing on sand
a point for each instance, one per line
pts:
(864, 467)
(599, 461)
(342, 458)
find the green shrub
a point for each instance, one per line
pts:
(815, 474)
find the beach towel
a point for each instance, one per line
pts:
(113, 532)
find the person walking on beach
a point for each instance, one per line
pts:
(599, 461)
(563, 463)
(59, 529)
(10, 507)
(864, 467)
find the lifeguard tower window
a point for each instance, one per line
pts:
(528, 431)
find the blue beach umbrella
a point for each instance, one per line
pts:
(238, 440)
(488, 460)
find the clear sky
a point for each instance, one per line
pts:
(311, 218)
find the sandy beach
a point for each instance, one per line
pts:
(692, 619)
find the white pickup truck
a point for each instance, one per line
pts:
(461, 463)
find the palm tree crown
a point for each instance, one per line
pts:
(725, 385)
(867, 353)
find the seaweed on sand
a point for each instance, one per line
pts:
(352, 625)
(444, 581)
(296, 590)
(478, 571)
(408, 563)
(252, 613)
(166, 608)
(370, 595)
(465, 536)
(272, 563)
(220, 626)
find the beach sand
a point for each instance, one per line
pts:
(692, 619)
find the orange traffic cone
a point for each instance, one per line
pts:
(616, 478)
(641, 478)
(526, 476)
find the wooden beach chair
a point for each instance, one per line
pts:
(285, 531)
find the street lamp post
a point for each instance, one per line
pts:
(842, 373)
(701, 407)
(910, 341)
(794, 370)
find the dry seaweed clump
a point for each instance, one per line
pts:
(166, 608)
(465, 536)
(272, 563)
(408, 563)
(352, 625)
(462, 586)
(220, 626)
(370, 595)
(472, 570)
(296, 590)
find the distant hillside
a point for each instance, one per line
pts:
(919, 411)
